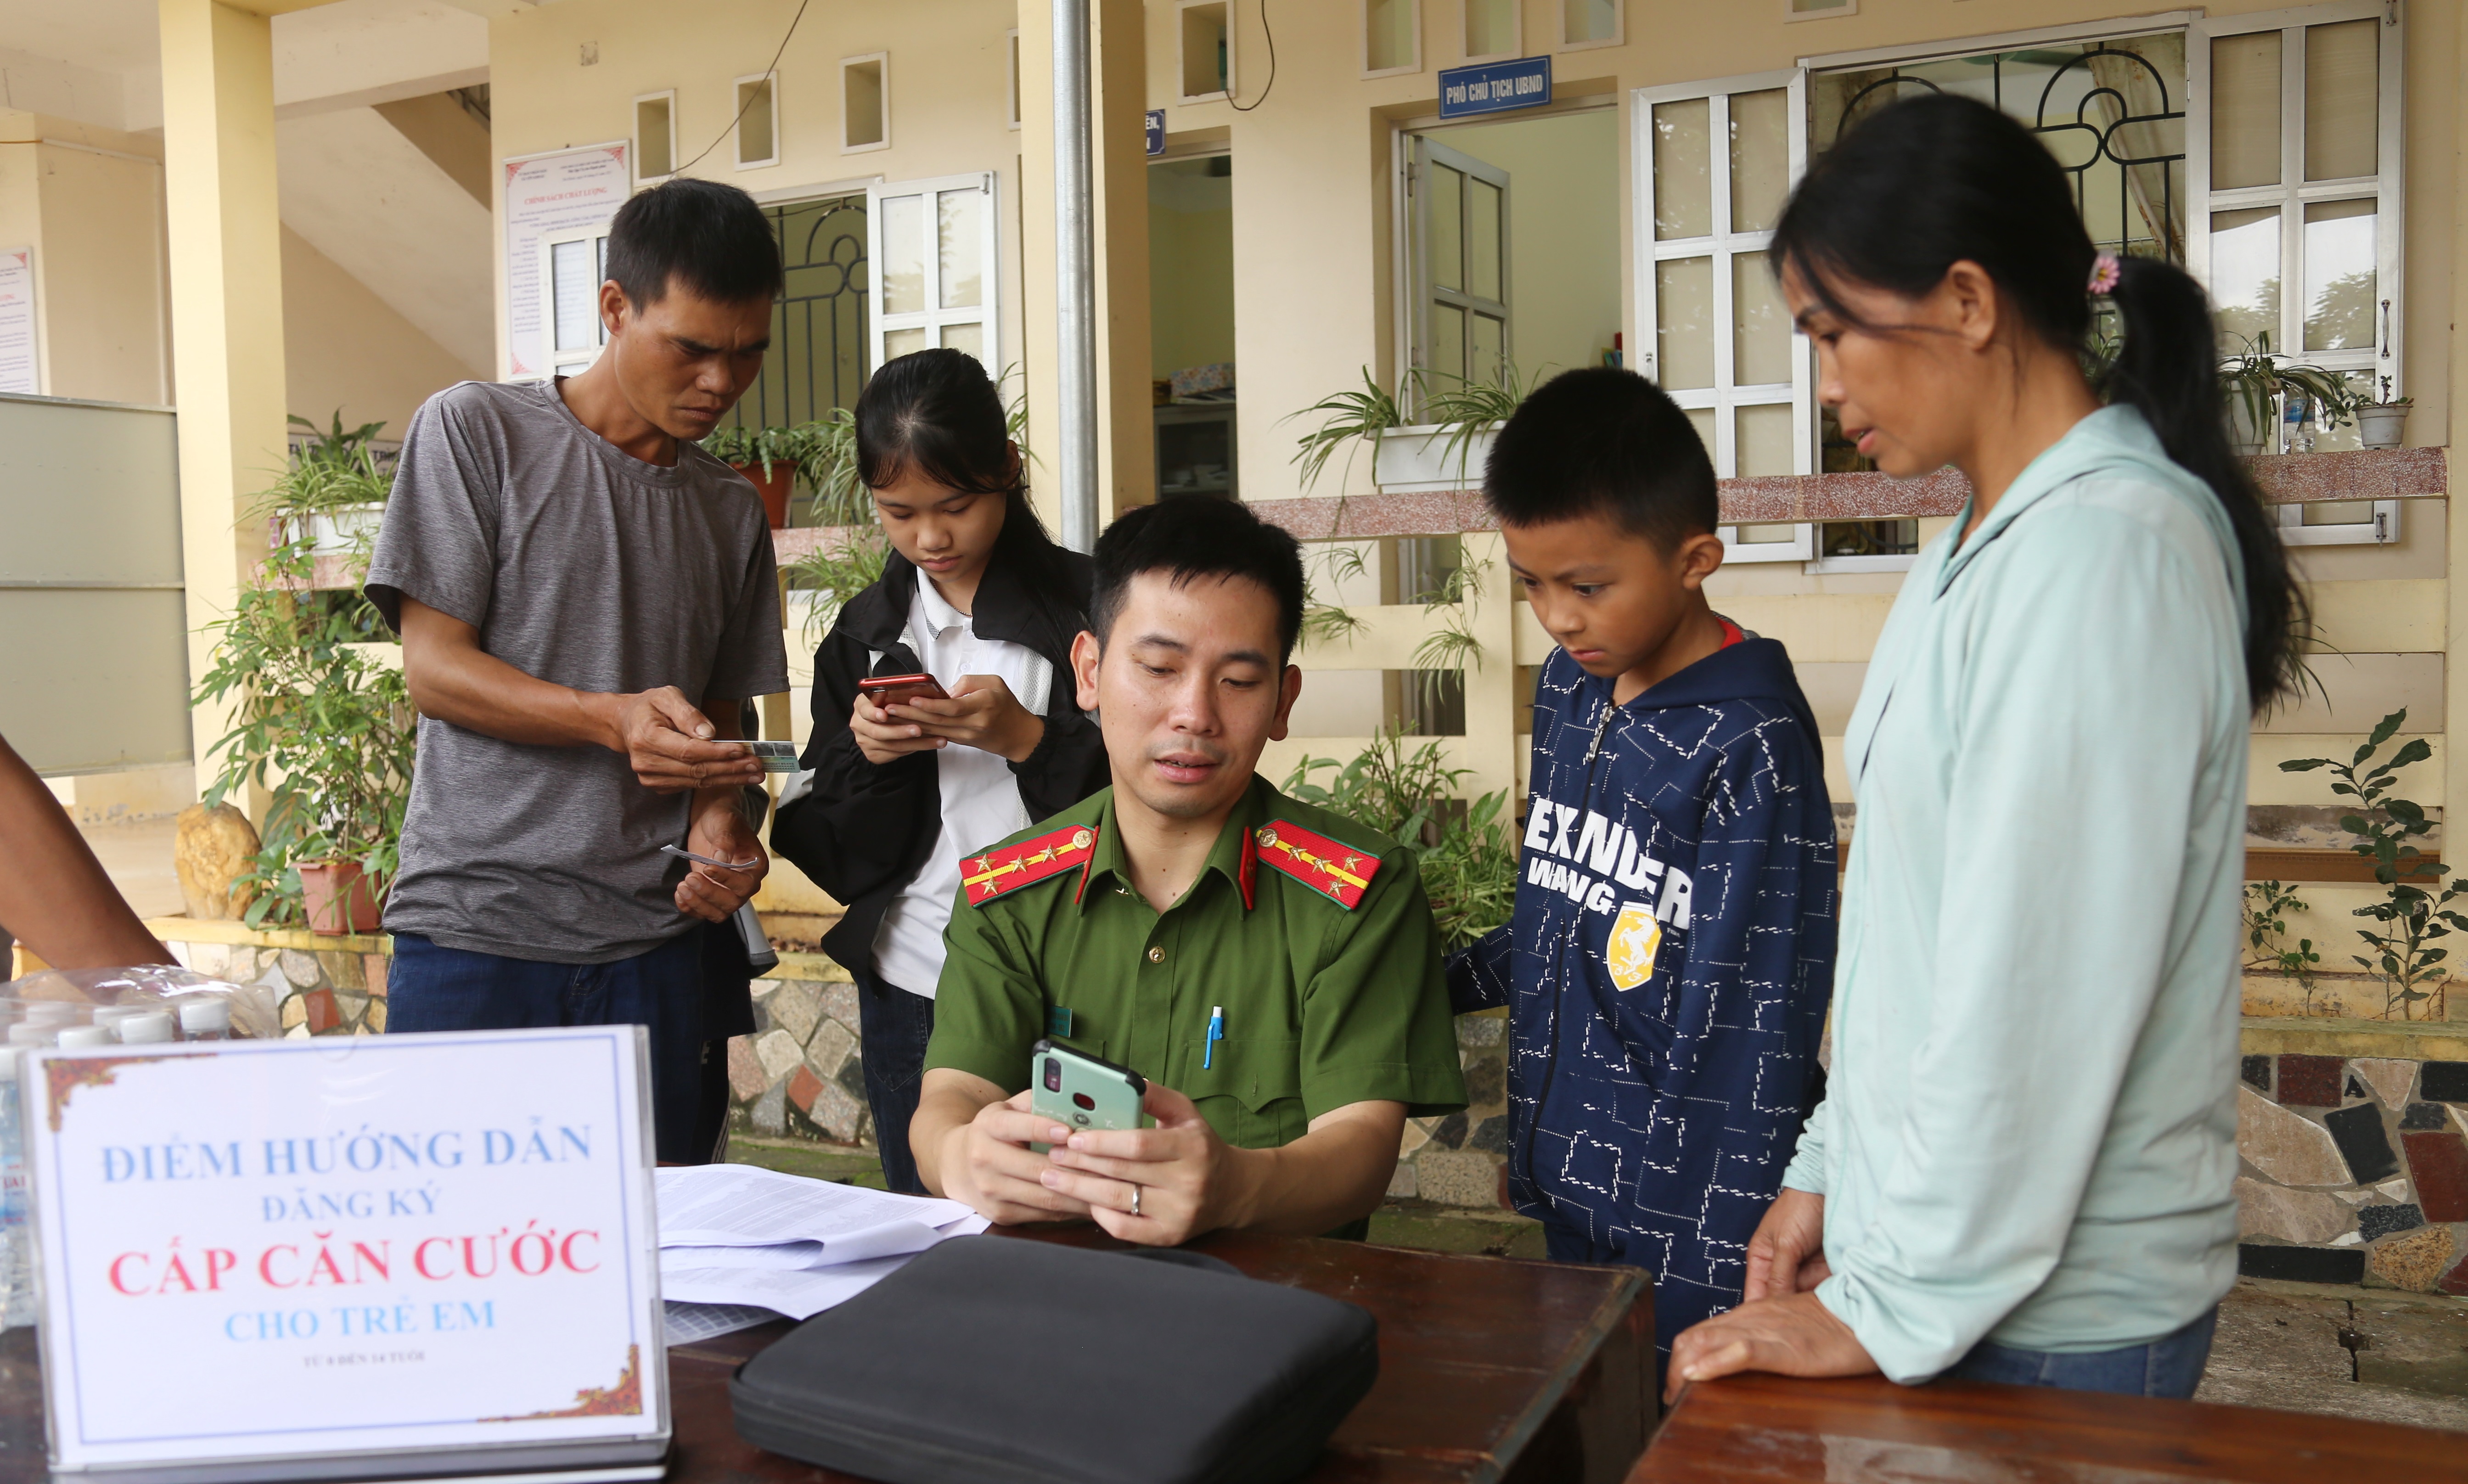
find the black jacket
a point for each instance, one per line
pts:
(864, 831)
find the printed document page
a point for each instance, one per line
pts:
(744, 1206)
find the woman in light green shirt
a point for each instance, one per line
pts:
(2022, 1171)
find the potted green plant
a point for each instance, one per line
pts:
(767, 456)
(1444, 451)
(2258, 382)
(820, 454)
(323, 726)
(2381, 424)
(334, 488)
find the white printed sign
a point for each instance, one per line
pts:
(548, 193)
(18, 368)
(391, 1254)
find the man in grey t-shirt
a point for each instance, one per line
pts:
(585, 601)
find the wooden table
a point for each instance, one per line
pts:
(1490, 1368)
(1775, 1430)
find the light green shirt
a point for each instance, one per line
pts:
(2029, 1129)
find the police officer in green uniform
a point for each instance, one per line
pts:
(1273, 970)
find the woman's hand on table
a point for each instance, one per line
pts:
(1792, 1336)
(1787, 1253)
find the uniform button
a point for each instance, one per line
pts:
(1157, 955)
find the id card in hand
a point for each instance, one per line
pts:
(778, 757)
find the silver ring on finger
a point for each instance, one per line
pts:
(1135, 1201)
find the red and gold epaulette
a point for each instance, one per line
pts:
(1339, 872)
(995, 872)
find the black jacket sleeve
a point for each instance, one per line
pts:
(1069, 761)
(861, 823)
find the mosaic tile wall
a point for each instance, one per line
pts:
(2354, 1170)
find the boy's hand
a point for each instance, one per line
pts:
(883, 737)
(982, 713)
(1787, 1253)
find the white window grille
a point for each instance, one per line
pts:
(932, 247)
(2295, 151)
(2340, 523)
(573, 265)
(1715, 162)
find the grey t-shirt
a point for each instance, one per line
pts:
(586, 567)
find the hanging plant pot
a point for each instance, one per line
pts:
(339, 897)
(1431, 457)
(774, 488)
(2380, 426)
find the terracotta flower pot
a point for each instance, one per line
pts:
(774, 489)
(339, 897)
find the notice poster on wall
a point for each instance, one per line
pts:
(18, 371)
(389, 1256)
(559, 192)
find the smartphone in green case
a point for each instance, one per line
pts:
(1082, 1091)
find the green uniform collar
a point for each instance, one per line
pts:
(1235, 856)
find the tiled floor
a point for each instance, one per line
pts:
(2370, 1354)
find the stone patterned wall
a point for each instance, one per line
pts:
(335, 987)
(799, 1075)
(2354, 1170)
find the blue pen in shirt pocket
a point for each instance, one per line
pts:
(1216, 1033)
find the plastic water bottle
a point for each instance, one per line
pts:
(84, 1038)
(205, 1020)
(16, 1265)
(145, 1030)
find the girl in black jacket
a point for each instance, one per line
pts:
(894, 797)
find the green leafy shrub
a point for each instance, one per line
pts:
(326, 730)
(1465, 851)
(2412, 919)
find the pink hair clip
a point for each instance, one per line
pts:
(2104, 274)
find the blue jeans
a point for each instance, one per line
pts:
(433, 988)
(2169, 1366)
(894, 1027)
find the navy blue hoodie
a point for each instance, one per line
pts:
(1667, 968)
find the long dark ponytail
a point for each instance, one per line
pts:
(1932, 181)
(937, 412)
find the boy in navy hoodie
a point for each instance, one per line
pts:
(1668, 965)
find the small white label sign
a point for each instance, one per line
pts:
(391, 1246)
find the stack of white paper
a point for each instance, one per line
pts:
(762, 1243)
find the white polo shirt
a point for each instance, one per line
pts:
(981, 801)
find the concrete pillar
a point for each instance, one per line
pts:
(1118, 67)
(226, 258)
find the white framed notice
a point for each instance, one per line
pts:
(373, 1258)
(563, 191)
(20, 367)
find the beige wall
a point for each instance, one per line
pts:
(95, 221)
(343, 348)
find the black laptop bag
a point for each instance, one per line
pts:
(999, 1360)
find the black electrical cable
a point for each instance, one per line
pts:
(771, 75)
(1272, 64)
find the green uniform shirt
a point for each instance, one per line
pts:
(1324, 1005)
